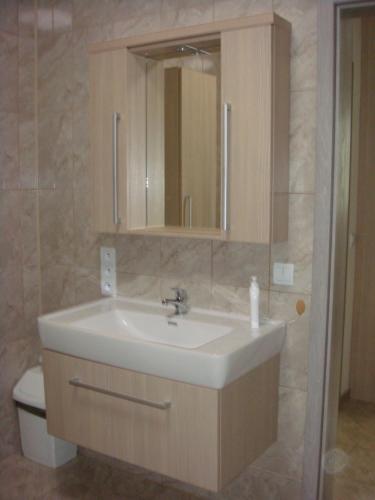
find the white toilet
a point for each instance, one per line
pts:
(37, 444)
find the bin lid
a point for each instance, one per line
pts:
(30, 388)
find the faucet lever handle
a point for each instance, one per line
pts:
(181, 294)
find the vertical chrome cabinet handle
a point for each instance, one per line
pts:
(190, 211)
(224, 177)
(115, 120)
(187, 199)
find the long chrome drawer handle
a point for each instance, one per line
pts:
(115, 120)
(76, 382)
(225, 168)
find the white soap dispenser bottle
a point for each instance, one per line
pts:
(254, 302)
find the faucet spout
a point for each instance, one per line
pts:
(179, 301)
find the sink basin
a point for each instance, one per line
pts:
(181, 331)
(206, 348)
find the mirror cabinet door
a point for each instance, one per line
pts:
(183, 141)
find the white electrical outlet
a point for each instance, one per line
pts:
(283, 274)
(108, 271)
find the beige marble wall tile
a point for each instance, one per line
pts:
(302, 14)
(87, 241)
(54, 70)
(235, 263)
(11, 304)
(56, 216)
(62, 16)
(30, 259)
(26, 115)
(294, 356)
(138, 286)
(31, 299)
(226, 9)
(298, 249)
(279, 253)
(138, 255)
(27, 17)
(136, 25)
(87, 285)
(28, 167)
(55, 155)
(186, 12)
(11, 247)
(45, 16)
(122, 9)
(9, 72)
(302, 142)
(55, 109)
(285, 456)
(26, 73)
(90, 12)
(80, 100)
(236, 300)
(9, 171)
(81, 166)
(185, 259)
(58, 287)
(9, 16)
(301, 220)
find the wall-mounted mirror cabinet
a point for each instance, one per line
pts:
(189, 131)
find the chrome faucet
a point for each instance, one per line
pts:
(179, 302)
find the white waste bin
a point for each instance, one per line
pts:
(37, 444)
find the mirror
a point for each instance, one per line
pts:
(183, 131)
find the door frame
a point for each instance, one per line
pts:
(322, 365)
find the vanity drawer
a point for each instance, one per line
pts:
(166, 426)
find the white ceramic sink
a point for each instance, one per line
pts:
(203, 347)
(181, 331)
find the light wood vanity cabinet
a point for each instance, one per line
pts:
(255, 81)
(107, 98)
(254, 53)
(205, 437)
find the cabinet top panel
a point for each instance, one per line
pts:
(190, 31)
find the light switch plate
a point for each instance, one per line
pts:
(108, 282)
(283, 273)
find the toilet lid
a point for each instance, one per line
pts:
(30, 388)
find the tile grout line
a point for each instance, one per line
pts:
(36, 152)
(21, 200)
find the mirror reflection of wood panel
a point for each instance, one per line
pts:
(155, 143)
(198, 145)
(191, 166)
(172, 131)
